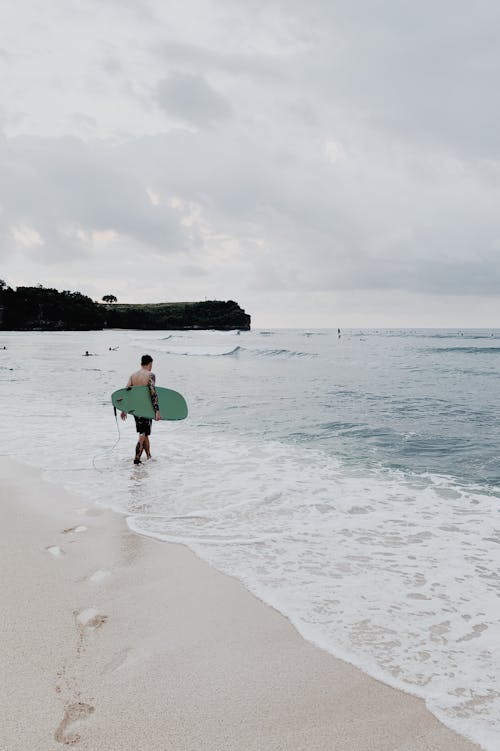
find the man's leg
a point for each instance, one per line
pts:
(139, 449)
(143, 427)
(146, 446)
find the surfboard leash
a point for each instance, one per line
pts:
(112, 447)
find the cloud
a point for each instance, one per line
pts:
(421, 74)
(191, 99)
(261, 66)
(81, 121)
(112, 66)
(356, 223)
(334, 147)
(66, 193)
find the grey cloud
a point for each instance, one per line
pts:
(112, 66)
(418, 73)
(264, 67)
(142, 9)
(82, 120)
(478, 277)
(424, 74)
(191, 99)
(358, 224)
(50, 184)
(194, 271)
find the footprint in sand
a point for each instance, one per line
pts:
(99, 576)
(76, 530)
(91, 618)
(127, 658)
(89, 511)
(55, 551)
(66, 732)
(117, 662)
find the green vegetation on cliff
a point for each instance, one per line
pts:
(40, 309)
(210, 314)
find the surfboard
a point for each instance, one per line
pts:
(136, 401)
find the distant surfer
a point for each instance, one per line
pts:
(144, 377)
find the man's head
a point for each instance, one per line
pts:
(147, 361)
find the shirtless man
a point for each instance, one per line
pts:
(144, 377)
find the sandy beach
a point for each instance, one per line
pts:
(115, 641)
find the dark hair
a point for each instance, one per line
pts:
(146, 359)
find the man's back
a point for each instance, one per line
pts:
(141, 377)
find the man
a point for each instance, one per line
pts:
(144, 377)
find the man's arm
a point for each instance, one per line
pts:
(154, 396)
(123, 415)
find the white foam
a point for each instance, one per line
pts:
(195, 350)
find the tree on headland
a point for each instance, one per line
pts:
(4, 289)
(109, 298)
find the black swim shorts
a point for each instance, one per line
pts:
(143, 425)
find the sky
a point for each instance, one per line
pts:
(323, 163)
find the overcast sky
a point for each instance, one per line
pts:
(323, 162)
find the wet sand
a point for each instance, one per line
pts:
(114, 641)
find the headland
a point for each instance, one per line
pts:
(44, 309)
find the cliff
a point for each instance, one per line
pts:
(41, 309)
(210, 314)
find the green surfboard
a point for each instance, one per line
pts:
(136, 401)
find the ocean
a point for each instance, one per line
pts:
(351, 482)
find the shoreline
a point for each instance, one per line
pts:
(116, 640)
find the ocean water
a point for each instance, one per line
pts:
(353, 483)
